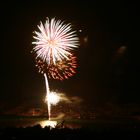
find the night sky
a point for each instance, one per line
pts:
(108, 64)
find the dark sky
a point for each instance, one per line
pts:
(107, 63)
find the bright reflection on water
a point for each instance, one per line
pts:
(44, 123)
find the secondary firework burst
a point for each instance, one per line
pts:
(61, 70)
(54, 41)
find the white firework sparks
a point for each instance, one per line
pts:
(54, 41)
(53, 98)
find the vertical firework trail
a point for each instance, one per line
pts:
(48, 92)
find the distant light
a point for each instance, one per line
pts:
(121, 50)
(86, 39)
(119, 53)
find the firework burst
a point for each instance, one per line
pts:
(53, 98)
(61, 70)
(54, 41)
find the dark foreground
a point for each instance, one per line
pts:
(64, 133)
